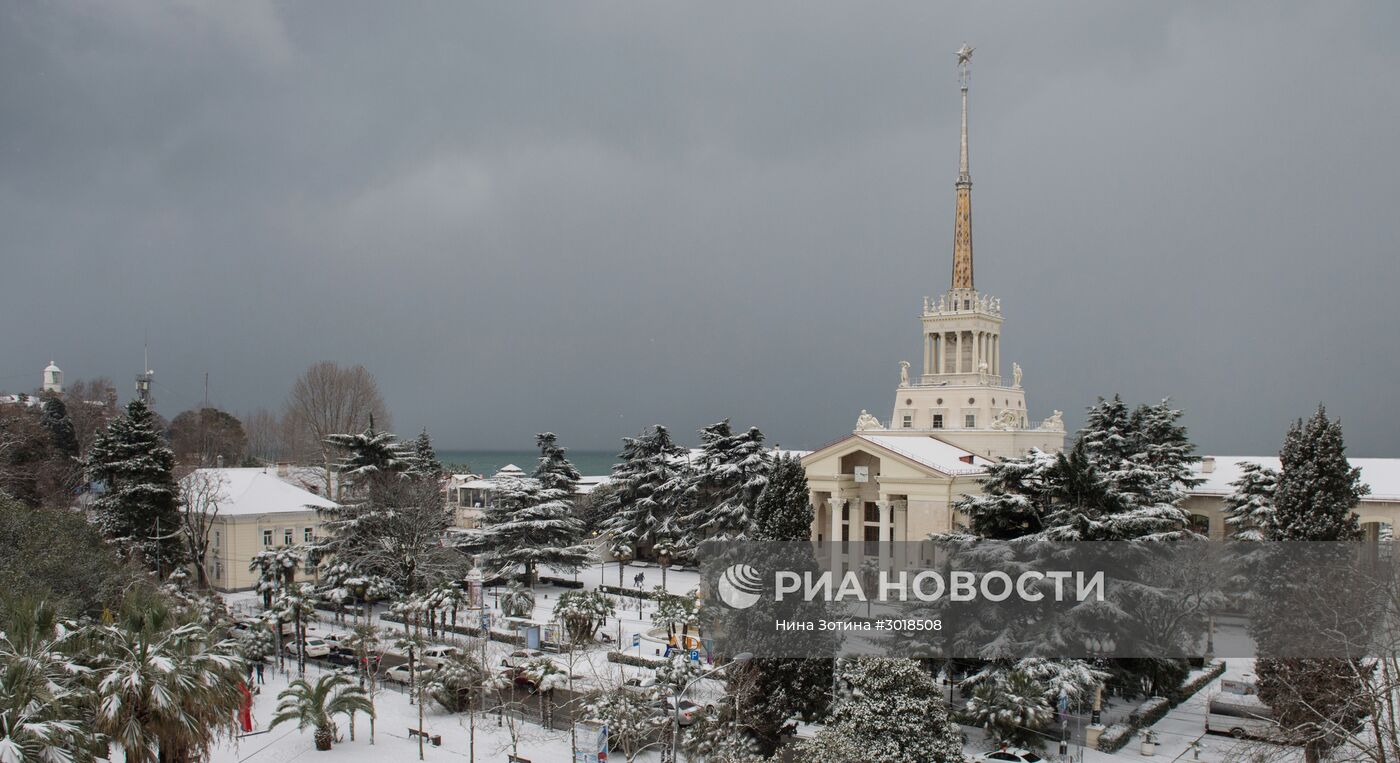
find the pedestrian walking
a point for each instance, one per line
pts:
(260, 672)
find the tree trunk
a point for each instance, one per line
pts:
(324, 737)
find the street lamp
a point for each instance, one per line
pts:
(738, 659)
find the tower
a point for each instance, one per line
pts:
(963, 393)
(53, 379)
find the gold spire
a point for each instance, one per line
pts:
(962, 220)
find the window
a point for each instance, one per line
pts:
(1200, 523)
(872, 512)
(970, 420)
(288, 536)
(267, 537)
(218, 540)
(219, 570)
(308, 534)
(937, 421)
(872, 541)
(908, 421)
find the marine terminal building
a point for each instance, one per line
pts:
(964, 408)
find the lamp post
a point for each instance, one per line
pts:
(738, 659)
(621, 552)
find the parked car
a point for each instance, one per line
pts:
(438, 654)
(1009, 755)
(639, 685)
(315, 647)
(689, 711)
(400, 673)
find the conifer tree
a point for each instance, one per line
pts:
(1317, 488)
(1249, 509)
(424, 459)
(532, 522)
(1314, 498)
(528, 525)
(783, 511)
(56, 422)
(640, 504)
(138, 508)
(892, 711)
(555, 471)
(724, 486)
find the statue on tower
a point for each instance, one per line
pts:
(903, 373)
(1016, 375)
(866, 421)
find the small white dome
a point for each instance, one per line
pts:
(52, 367)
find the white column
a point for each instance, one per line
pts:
(834, 505)
(886, 508)
(928, 352)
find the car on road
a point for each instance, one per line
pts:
(401, 674)
(315, 646)
(689, 711)
(1009, 755)
(438, 654)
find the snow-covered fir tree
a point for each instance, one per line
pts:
(390, 523)
(639, 507)
(892, 711)
(371, 460)
(554, 470)
(139, 506)
(724, 484)
(1249, 509)
(783, 511)
(1314, 498)
(1317, 488)
(528, 526)
(424, 460)
(1123, 479)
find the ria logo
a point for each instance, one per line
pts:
(740, 586)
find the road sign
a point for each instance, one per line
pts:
(636, 639)
(695, 655)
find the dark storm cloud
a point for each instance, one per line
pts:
(592, 217)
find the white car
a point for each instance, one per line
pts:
(401, 674)
(438, 654)
(315, 647)
(1009, 755)
(689, 711)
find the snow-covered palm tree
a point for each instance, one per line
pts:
(42, 695)
(167, 690)
(316, 705)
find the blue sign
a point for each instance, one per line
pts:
(695, 655)
(636, 639)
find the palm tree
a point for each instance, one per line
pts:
(317, 705)
(168, 689)
(518, 601)
(42, 694)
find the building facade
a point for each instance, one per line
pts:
(257, 511)
(963, 409)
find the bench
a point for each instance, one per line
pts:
(435, 739)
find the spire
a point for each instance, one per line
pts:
(962, 220)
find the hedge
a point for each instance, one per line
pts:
(635, 660)
(1119, 734)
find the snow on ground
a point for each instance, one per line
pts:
(1176, 733)
(392, 743)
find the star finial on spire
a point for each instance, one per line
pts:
(964, 54)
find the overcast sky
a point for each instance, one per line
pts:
(591, 217)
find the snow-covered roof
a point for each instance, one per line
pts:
(251, 491)
(931, 451)
(1382, 474)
